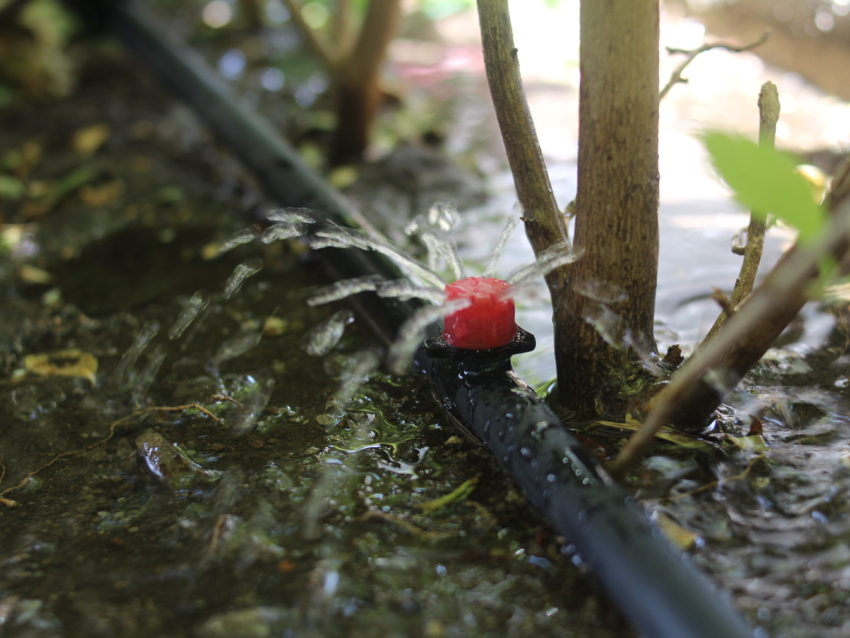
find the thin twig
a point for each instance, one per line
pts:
(768, 104)
(312, 39)
(691, 55)
(788, 281)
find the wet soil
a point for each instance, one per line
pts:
(174, 464)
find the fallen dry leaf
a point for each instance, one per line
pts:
(71, 362)
(678, 535)
(88, 140)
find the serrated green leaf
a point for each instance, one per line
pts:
(765, 181)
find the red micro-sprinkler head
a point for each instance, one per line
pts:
(488, 322)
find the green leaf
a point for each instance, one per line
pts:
(765, 181)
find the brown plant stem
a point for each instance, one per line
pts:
(358, 94)
(545, 225)
(768, 104)
(743, 339)
(616, 224)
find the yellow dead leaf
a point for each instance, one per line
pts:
(63, 363)
(88, 140)
(680, 537)
(32, 275)
(666, 433)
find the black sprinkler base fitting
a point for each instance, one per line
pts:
(439, 348)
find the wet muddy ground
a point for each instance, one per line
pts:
(174, 462)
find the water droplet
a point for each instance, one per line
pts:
(143, 380)
(254, 396)
(345, 288)
(291, 215)
(442, 248)
(281, 231)
(550, 259)
(239, 275)
(404, 289)
(147, 333)
(444, 216)
(354, 374)
(721, 381)
(236, 346)
(327, 334)
(339, 237)
(606, 322)
(601, 291)
(193, 308)
(411, 333)
(441, 216)
(500, 246)
(244, 236)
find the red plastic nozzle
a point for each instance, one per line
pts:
(488, 322)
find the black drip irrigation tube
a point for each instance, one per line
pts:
(655, 585)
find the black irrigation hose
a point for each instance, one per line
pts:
(655, 585)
